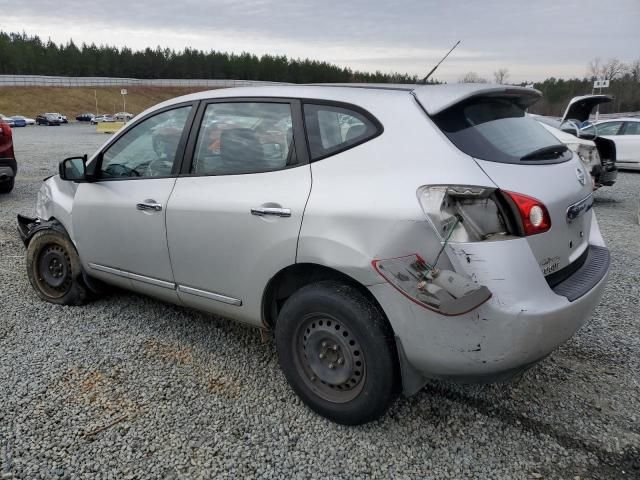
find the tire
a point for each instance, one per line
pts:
(54, 269)
(337, 352)
(7, 185)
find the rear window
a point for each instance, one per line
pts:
(498, 130)
(332, 129)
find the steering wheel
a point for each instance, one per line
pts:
(158, 168)
(120, 170)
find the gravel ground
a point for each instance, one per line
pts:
(128, 387)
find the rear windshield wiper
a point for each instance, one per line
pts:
(545, 153)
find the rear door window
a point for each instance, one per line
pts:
(332, 129)
(498, 130)
(609, 128)
(632, 128)
(244, 137)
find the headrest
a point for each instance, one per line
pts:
(241, 147)
(354, 132)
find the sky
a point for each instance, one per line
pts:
(533, 39)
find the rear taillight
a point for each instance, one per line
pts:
(5, 129)
(533, 214)
(6, 144)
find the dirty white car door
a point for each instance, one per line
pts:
(119, 219)
(234, 216)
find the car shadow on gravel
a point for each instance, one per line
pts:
(622, 464)
(606, 201)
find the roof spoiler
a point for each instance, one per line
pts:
(437, 98)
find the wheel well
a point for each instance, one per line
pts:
(31, 228)
(291, 279)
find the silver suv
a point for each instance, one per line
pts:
(387, 234)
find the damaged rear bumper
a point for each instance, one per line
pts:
(523, 322)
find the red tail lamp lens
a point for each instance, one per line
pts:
(534, 215)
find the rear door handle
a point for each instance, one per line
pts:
(277, 212)
(149, 205)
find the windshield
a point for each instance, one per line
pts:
(498, 130)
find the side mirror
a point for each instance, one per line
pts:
(73, 169)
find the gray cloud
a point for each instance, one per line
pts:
(533, 38)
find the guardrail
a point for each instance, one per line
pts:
(609, 116)
(53, 81)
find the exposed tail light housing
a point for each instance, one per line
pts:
(461, 213)
(466, 213)
(533, 214)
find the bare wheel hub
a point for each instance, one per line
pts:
(54, 269)
(331, 358)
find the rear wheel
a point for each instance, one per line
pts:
(54, 269)
(7, 185)
(337, 352)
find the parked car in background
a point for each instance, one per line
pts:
(85, 117)
(598, 154)
(447, 234)
(27, 121)
(123, 116)
(19, 122)
(625, 133)
(102, 118)
(8, 120)
(62, 118)
(8, 165)
(48, 119)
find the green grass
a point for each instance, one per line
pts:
(30, 101)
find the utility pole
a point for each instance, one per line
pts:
(95, 94)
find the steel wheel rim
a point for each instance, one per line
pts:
(329, 358)
(53, 271)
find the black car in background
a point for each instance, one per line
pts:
(48, 119)
(85, 117)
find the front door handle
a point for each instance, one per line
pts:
(277, 212)
(149, 205)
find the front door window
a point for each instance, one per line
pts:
(147, 150)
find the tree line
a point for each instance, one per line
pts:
(29, 55)
(22, 54)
